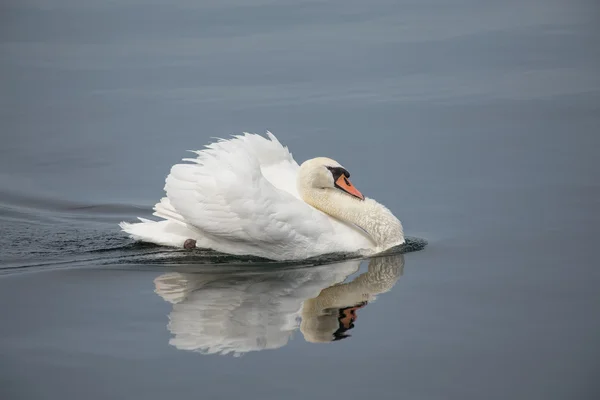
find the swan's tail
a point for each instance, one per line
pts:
(173, 231)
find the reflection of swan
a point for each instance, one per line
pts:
(248, 196)
(240, 312)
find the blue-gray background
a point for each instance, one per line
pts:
(476, 122)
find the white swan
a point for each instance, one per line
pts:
(248, 196)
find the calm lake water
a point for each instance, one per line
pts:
(476, 122)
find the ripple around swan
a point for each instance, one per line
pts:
(199, 257)
(40, 247)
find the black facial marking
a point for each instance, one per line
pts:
(338, 171)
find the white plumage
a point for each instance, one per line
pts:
(248, 196)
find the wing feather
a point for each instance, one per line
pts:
(225, 194)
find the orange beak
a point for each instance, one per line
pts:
(345, 184)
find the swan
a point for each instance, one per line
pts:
(248, 196)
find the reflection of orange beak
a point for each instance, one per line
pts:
(345, 184)
(348, 315)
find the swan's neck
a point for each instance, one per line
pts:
(370, 216)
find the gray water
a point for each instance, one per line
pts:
(476, 122)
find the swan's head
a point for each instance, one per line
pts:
(323, 173)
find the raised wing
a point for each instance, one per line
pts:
(225, 195)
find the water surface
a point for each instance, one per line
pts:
(475, 122)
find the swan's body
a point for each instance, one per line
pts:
(248, 196)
